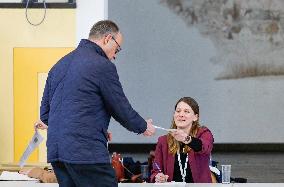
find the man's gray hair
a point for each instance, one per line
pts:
(103, 28)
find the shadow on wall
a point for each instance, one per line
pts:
(248, 35)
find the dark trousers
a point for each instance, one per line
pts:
(84, 175)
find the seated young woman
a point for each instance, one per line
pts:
(183, 155)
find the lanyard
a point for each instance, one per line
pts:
(182, 170)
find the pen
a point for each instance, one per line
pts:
(157, 166)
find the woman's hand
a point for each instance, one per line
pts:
(161, 178)
(179, 135)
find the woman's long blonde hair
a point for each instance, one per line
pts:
(173, 144)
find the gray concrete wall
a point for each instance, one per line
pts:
(163, 59)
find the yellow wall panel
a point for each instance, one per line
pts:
(28, 62)
(57, 30)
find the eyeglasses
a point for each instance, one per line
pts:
(118, 48)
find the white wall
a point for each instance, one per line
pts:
(89, 12)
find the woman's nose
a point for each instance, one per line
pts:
(181, 114)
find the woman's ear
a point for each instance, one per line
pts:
(196, 117)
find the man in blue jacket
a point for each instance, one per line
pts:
(81, 94)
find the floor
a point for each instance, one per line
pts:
(256, 167)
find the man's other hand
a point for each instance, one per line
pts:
(109, 136)
(40, 125)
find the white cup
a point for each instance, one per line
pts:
(226, 174)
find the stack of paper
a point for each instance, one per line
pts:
(15, 176)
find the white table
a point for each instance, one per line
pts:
(31, 184)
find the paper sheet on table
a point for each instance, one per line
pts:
(34, 143)
(172, 184)
(15, 176)
(161, 128)
(215, 170)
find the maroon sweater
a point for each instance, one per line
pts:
(198, 161)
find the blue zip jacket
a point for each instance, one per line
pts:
(81, 94)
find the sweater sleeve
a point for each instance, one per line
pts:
(45, 105)
(207, 140)
(158, 161)
(195, 144)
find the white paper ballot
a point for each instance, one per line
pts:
(34, 143)
(15, 176)
(215, 170)
(169, 130)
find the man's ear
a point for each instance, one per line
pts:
(107, 38)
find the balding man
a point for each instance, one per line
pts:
(81, 94)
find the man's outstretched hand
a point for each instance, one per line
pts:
(150, 128)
